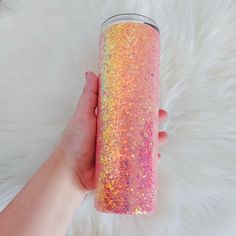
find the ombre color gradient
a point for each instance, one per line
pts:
(127, 121)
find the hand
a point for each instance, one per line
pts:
(65, 177)
(79, 139)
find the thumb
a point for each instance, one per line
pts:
(88, 100)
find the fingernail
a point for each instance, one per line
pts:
(86, 76)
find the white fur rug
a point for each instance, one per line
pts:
(45, 48)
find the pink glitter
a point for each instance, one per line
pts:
(127, 121)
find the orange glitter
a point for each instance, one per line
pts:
(127, 119)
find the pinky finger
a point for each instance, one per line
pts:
(158, 158)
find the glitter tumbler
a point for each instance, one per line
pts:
(127, 115)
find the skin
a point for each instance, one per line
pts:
(46, 204)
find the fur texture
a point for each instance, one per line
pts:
(45, 48)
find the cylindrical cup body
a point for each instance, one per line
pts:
(127, 116)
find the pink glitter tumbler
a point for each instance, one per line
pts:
(127, 115)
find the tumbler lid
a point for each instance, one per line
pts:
(130, 17)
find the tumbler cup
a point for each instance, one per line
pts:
(127, 115)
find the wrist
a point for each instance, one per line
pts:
(63, 163)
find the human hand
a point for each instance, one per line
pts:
(78, 144)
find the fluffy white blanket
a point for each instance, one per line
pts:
(45, 48)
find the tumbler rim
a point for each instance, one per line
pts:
(128, 17)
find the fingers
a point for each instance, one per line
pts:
(88, 100)
(162, 137)
(162, 115)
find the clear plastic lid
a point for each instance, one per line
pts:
(129, 17)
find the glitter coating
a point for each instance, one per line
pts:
(127, 119)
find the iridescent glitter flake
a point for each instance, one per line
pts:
(127, 122)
